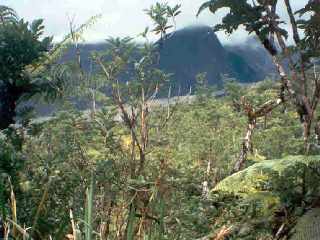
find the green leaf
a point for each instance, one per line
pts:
(7, 15)
(89, 209)
(37, 27)
(204, 6)
(131, 221)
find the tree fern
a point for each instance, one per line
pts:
(59, 49)
(7, 15)
(264, 176)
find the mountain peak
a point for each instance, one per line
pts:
(200, 29)
(193, 50)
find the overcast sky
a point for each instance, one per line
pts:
(120, 17)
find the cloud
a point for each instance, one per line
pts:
(119, 17)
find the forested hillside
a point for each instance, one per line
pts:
(242, 165)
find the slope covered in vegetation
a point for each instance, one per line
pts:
(241, 166)
(199, 144)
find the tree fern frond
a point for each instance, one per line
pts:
(59, 49)
(7, 15)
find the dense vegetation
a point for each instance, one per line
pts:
(238, 166)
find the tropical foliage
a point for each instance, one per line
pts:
(139, 167)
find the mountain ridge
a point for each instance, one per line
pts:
(197, 49)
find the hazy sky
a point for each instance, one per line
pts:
(120, 17)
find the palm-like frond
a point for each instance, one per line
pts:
(119, 43)
(7, 14)
(59, 49)
(120, 47)
(311, 40)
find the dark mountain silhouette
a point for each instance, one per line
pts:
(185, 53)
(197, 49)
(193, 50)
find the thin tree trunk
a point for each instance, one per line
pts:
(93, 107)
(252, 115)
(317, 131)
(2, 229)
(205, 183)
(246, 146)
(108, 223)
(306, 132)
(296, 38)
(308, 118)
(143, 131)
(293, 22)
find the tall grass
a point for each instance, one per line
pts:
(88, 218)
